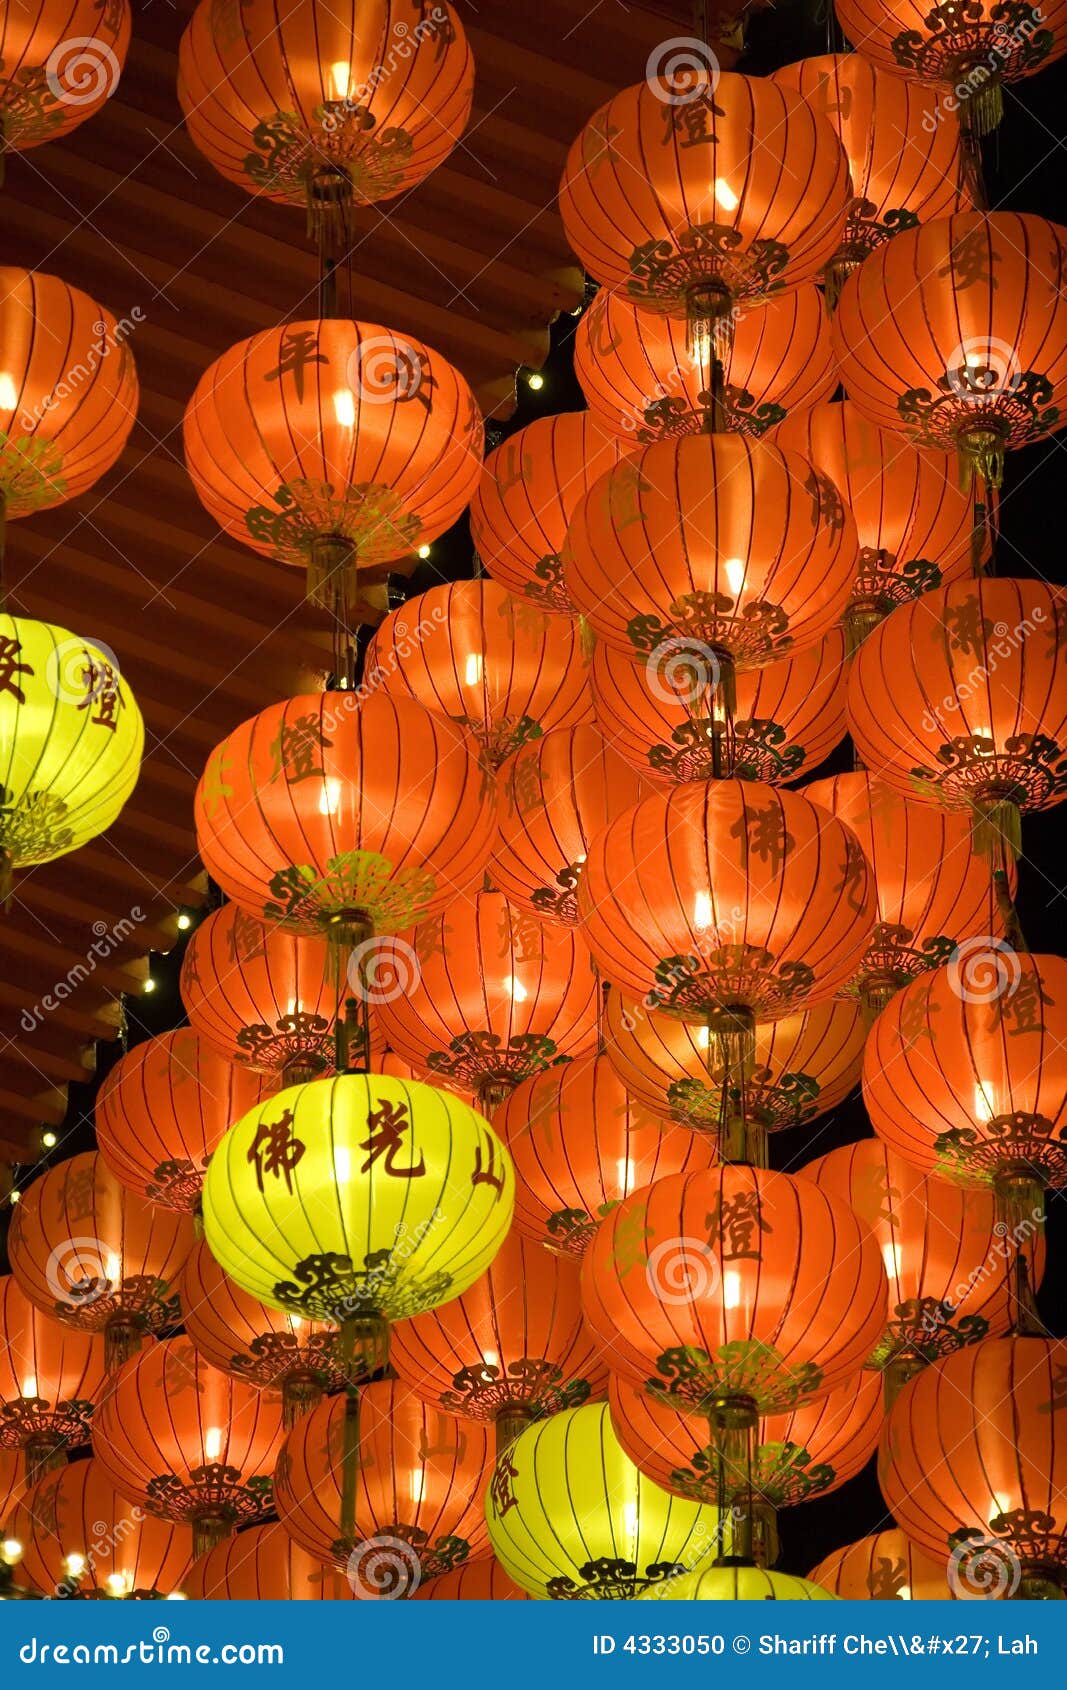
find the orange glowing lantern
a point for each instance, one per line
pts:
(263, 1564)
(493, 996)
(581, 1144)
(528, 490)
(396, 1505)
(555, 794)
(50, 1379)
(884, 1568)
(61, 61)
(336, 814)
(81, 1538)
(162, 1110)
(475, 1581)
(667, 721)
(188, 1443)
(644, 384)
(495, 664)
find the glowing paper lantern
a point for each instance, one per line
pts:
(50, 1379)
(884, 1568)
(263, 1564)
(739, 1584)
(61, 61)
(336, 814)
(475, 1581)
(82, 1538)
(162, 1110)
(498, 666)
(580, 1144)
(570, 1516)
(73, 738)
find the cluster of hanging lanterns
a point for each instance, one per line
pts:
(441, 1256)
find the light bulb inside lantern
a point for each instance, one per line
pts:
(295, 1322)
(342, 1164)
(731, 1289)
(515, 989)
(330, 796)
(702, 911)
(491, 1358)
(8, 393)
(74, 1564)
(625, 1175)
(344, 408)
(473, 669)
(629, 1519)
(892, 1255)
(417, 1484)
(113, 1268)
(120, 1584)
(29, 1385)
(702, 1038)
(983, 1109)
(11, 1550)
(734, 570)
(212, 1443)
(340, 76)
(725, 195)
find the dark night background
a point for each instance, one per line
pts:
(1026, 170)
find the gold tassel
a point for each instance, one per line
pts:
(860, 620)
(899, 1370)
(996, 830)
(300, 1392)
(586, 639)
(209, 1530)
(122, 1339)
(329, 206)
(509, 1423)
(981, 452)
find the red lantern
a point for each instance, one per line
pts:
(162, 1110)
(671, 726)
(555, 793)
(339, 814)
(263, 1564)
(475, 1581)
(263, 998)
(84, 1251)
(580, 1144)
(82, 1538)
(734, 1283)
(955, 335)
(644, 384)
(933, 890)
(493, 996)
(804, 1066)
(61, 61)
(50, 1379)
(188, 1443)
(497, 665)
(58, 434)
(884, 1568)
(414, 1500)
(528, 490)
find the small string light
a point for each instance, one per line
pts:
(49, 1140)
(535, 380)
(423, 552)
(185, 921)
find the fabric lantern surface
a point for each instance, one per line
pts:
(529, 487)
(337, 446)
(262, 1346)
(335, 814)
(934, 891)
(804, 1066)
(263, 1564)
(511, 1349)
(971, 50)
(85, 1251)
(955, 335)
(13, 1484)
(956, 698)
(500, 667)
(493, 996)
(704, 193)
(476, 1581)
(162, 1110)
(555, 793)
(974, 1472)
(265, 999)
(72, 735)
(571, 1517)
(58, 434)
(188, 1443)
(738, 1584)
(903, 156)
(915, 522)
(734, 1283)
(714, 540)
(729, 897)
(61, 61)
(81, 1538)
(317, 103)
(580, 1144)
(644, 384)
(664, 717)
(50, 1381)
(418, 1507)
(360, 1199)
(942, 1250)
(965, 1074)
(885, 1567)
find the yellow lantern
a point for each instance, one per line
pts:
(739, 1584)
(72, 738)
(570, 1516)
(361, 1199)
